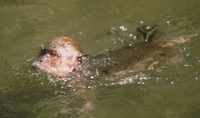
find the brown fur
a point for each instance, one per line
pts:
(69, 58)
(58, 57)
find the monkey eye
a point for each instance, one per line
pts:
(53, 53)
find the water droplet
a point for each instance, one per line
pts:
(141, 22)
(123, 28)
(187, 55)
(92, 77)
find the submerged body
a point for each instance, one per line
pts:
(63, 56)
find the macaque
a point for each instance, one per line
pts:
(63, 56)
(59, 57)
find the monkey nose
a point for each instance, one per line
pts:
(39, 59)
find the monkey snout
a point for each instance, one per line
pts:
(43, 59)
(40, 59)
(34, 65)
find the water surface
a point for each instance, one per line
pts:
(25, 25)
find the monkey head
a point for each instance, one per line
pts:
(59, 57)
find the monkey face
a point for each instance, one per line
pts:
(58, 57)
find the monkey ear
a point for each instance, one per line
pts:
(81, 57)
(80, 60)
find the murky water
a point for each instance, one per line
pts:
(25, 25)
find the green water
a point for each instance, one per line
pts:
(26, 24)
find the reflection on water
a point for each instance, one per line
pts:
(170, 90)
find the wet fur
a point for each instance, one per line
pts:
(148, 50)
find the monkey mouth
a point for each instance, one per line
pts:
(38, 69)
(35, 67)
